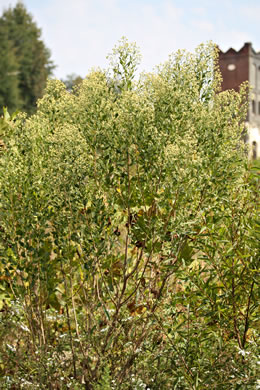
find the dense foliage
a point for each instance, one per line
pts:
(27, 59)
(129, 233)
(9, 86)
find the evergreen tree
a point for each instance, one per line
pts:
(9, 86)
(33, 58)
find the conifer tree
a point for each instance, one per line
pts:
(32, 56)
(9, 85)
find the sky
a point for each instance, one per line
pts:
(81, 33)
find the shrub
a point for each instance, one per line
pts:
(129, 239)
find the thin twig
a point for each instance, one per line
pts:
(247, 314)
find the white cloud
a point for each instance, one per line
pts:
(199, 11)
(204, 25)
(81, 33)
(5, 4)
(234, 39)
(250, 12)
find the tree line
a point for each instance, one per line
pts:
(25, 61)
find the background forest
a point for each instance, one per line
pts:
(129, 226)
(25, 61)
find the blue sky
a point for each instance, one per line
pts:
(80, 33)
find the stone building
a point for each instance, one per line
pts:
(237, 67)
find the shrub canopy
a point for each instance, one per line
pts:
(129, 233)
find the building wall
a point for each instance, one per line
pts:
(237, 67)
(234, 67)
(253, 141)
(254, 80)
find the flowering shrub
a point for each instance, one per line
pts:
(129, 239)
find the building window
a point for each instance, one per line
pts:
(253, 79)
(254, 150)
(253, 106)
